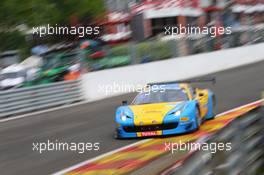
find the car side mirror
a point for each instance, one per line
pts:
(124, 103)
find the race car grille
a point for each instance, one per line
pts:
(150, 127)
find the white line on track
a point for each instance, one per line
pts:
(231, 110)
(136, 143)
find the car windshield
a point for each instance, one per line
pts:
(167, 95)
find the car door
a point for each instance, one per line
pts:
(202, 98)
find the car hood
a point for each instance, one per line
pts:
(148, 114)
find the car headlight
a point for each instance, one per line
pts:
(123, 118)
(177, 113)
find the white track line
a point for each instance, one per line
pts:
(231, 110)
(136, 143)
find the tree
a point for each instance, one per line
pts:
(40, 12)
(33, 13)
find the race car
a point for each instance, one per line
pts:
(164, 109)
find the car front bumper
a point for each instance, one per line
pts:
(182, 127)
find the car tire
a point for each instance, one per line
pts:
(197, 119)
(214, 107)
(214, 113)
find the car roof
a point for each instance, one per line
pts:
(172, 86)
(175, 86)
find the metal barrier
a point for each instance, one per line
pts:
(22, 100)
(246, 156)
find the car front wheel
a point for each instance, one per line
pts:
(197, 118)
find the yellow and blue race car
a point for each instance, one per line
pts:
(164, 109)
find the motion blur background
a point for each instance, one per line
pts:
(42, 72)
(131, 32)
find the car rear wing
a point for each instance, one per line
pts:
(195, 80)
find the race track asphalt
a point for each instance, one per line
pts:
(94, 122)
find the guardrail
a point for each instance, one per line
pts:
(246, 135)
(22, 100)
